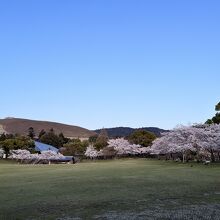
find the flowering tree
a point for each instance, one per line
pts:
(179, 140)
(45, 156)
(120, 146)
(91, 152)
(198, 139)
(208, 139)
(123, 147)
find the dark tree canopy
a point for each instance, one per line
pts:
(75, 147)
(63, 139)
(217, 107)
(3, 137)
(142, 137)
(31, 132)
(102, 140)
(42, 132)
(51, 138)
(15, 143)
(92, 139)
(216, 118)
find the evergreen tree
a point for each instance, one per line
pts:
(92, 139)
(31, 133)
(102, 140)
(217, 107)
(216, 118)
(51, 138)
(63, 139)
(2, 137)
(42, 132)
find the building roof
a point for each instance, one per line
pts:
(43, 147)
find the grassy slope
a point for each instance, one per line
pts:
(120, 189)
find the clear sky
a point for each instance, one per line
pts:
(104, 63)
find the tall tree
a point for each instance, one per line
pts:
(31, 132)
(92, 139)
(63, 139)
(51, 138)
(216, 118)
(102, 140)
(3, 137)
(42, 132)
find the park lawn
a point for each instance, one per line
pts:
(114, 189)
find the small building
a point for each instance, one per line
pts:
(39, 147)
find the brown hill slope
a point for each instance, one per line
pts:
(20, 126)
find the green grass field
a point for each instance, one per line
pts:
(117, 189)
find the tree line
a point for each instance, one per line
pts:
(181, 141)
(67, 146)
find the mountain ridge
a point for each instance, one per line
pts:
(126, 131)
(21, 126)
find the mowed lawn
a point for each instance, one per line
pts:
(116, 189)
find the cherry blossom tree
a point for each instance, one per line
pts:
(45, 156)
(208, 139)
(178, 140)
(121, 147)
(91, 152)
(197, 138)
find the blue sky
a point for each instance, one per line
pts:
(110, 63)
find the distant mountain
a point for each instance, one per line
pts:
(21, 126)
(125, 131)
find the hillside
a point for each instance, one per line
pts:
(125, 131)
(20, 126)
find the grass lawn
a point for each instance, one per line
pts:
(117, 189)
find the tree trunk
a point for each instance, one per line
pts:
(171, 156)
(212, 156)
(183, 158)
